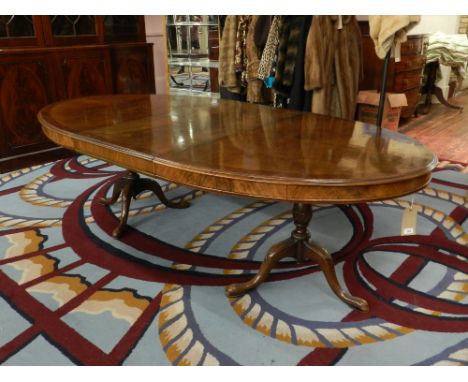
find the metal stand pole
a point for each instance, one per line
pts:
(383, 88)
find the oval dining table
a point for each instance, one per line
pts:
(243, 149)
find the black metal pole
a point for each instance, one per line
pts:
(383, 88)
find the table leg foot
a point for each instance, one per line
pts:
(321, 256)
(130, 186)
(440, 97)
(277, 252)
(116, 192)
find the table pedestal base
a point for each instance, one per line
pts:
(431, 88)
(300, 247)
(130, 186)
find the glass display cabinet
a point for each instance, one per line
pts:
(193, 49)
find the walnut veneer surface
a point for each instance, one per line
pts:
(240, 148)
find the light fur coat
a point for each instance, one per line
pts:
(333, 65)
(388, 30)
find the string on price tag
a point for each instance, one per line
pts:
(409, 220)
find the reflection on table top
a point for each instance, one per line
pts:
(236, 140)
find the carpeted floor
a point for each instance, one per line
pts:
(72, 294)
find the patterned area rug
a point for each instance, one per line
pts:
(72, 294)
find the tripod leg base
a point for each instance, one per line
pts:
(129, 186)
(300, 247)
(276, 253)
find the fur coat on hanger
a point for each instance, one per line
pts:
(388, 30)
(227, 76)
(333, 65)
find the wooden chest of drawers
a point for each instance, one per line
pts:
(403, 77)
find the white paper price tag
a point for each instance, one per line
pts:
(409, 221)
(398, 51)
(408, 231)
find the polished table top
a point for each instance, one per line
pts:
(241, 148)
